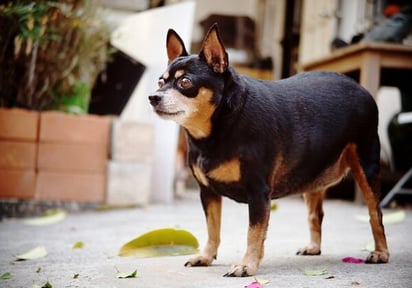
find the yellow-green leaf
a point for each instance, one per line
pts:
(391, 218)
(38, 252)
(369, 247)
(5, 276)
(161, 242)
(78, 245)
(262, 281)
(123, 275)
(317, 272)
(274, 206)
(49, 217)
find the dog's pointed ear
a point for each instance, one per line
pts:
(213, 52)
(175, 46)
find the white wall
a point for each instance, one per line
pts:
(230, 7)
(143, 37)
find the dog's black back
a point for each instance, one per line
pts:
(305, 120)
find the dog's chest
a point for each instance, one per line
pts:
(209, 170)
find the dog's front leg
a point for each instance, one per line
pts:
(212, 206)
(259, 211)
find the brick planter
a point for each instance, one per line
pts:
(53, 156)
(18, 153)
(72, 157)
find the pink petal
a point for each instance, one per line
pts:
(254, 284)
(353, 260)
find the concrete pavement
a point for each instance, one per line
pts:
(104, 232)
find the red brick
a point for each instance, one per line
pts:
(14, 154)
(18, 124)
(18, 184)
(65, 128)
(72, 157)
(83, 187)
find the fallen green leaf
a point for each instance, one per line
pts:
(262, 281)
(161, 242)
(391, 218)
(394, 218)
(369, 247)
(76, 275)
(5, 276)
(45, 285)
(78, 245)
(38, 252)
(110, 207)
(49, 217)
(274, 206)
(317, 272)
(123, 275)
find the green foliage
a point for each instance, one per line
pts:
(47, 48)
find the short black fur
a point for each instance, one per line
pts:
(287, 136)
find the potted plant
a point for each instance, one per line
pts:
(50, 55)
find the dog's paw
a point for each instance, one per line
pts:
(377, 257)
(199, 260)
(240, 270)
(310, 249)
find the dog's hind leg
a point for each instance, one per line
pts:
(212, 206)
(314, 201)
(364, 163)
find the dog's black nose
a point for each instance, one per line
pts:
(155, 99)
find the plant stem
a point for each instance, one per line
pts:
(32, 68)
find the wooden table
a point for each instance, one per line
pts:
(369, 59)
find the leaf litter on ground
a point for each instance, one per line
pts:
(161, 242)
(353, 260)
(391, 218)
(5, 276)
(35, 253)
(78, 245)
(124, 275)
(45, 285)
(369, 247)
(315, 272)
(49, 217)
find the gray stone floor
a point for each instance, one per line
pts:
(104, 232)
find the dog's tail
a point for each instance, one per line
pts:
(369, 158)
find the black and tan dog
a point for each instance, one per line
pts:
(253, 141)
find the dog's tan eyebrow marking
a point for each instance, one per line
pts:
(226, 172)
(179, 73)
(166, 75)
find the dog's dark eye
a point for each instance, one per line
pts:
(161, 83)
(185, 83)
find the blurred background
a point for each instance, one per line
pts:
(68, 63)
